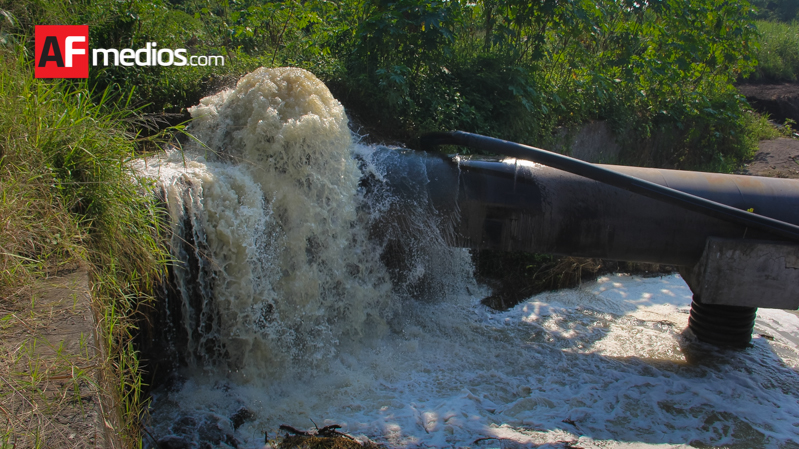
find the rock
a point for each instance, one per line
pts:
(241, 416)
(185, 426)
(174, 442)
(211, 432)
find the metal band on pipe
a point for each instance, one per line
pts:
(648, 189)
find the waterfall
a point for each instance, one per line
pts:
(272, 231)
(312, 285)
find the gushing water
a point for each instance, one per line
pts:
(302, 295)
(279, 229)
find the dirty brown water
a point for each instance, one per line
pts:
(285, 312)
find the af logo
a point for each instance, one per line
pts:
(62, 51)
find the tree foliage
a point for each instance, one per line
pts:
(510, 68)
(518, 69)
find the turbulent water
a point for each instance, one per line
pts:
(300, 300)
(269, 201)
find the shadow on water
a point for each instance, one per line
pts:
(678, 395)
(307, 293)
(656, 388)
(557, 371)
(574, 368)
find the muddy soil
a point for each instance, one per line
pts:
(779, 101)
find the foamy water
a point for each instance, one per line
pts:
(605, 365)
(267, 206)
(290, 314)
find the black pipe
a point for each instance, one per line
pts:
(649, 189)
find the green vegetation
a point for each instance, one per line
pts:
(67, 197)
(777, 48)
(511, 69)
(518, 70)
(659, 72)
(776, 10)
(507, 68)
(778, 54)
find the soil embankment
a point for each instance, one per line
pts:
(779, 101)
(778, 158)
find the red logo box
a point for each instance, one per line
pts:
(62, 51)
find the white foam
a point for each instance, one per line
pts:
(270, 198)
(560, 367)
(300, 322)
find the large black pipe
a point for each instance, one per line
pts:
(516, 205)
(615, 178)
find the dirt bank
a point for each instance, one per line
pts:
(779, 101)
(778, 158)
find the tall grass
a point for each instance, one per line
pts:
(778, 55)
(67, 195)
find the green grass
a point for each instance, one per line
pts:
(68, 196)
(778, 55)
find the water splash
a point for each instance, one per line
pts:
(302, 294)
(285, 270)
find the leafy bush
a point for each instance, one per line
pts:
(776, 10)
(249, 34)
(507, 68)
(519, 70)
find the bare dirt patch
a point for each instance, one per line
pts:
(778, 158)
